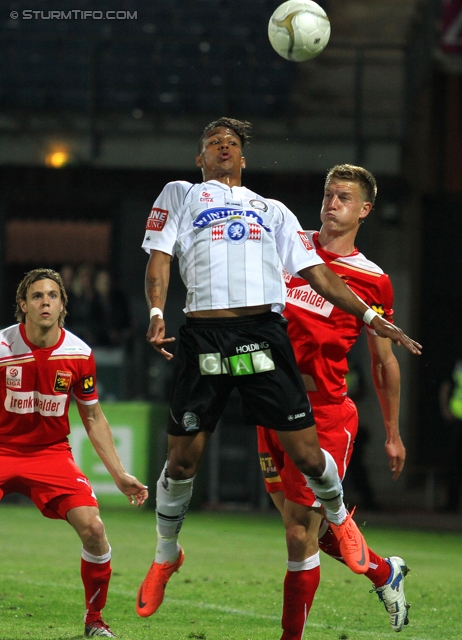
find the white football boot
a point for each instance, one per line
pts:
(392, 593)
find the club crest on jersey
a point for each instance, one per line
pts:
(63, 381)
(13, 377)
(236, 231)
(88, 385)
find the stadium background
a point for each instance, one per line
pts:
(124, 101)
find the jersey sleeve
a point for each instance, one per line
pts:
(163, 221)
(294, 248)
(85, 388)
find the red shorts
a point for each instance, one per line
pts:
(336, 426)
(49, 477)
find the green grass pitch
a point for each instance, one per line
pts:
(230, 586)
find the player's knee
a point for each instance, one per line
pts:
(301, 542)
(93, 532)
(311, 464)
(182, 468)
(296, 535)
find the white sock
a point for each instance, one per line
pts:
(89, 557)
(305, 565)
(173, 497)
(328, 490)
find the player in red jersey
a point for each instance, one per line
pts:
(41, 364)
(321, 336)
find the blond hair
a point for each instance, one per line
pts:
(352, 173)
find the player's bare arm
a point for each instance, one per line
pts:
(328, 284)
(156, 287)
(386, 376)
(100, 434)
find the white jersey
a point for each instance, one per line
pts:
(231, 244)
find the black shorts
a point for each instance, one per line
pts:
(251, 353)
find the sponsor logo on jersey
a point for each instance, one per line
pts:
(206, 197)
(157, 219)
(13, 377)
(255, 346)
(63, 381)
(88, 385)
(255, 231)
(306, 243)
(297, 416)
(215, 214)
(306, 298)
(23, 402)
(378, 308)
(5, 344)
(286, 275)
(242, 364)
(268, 468)
(217, 232)
(258, 204)
(190, 421)
(72, 348)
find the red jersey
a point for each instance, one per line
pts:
(36, 386)
(322, 334)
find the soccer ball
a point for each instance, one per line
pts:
(299, 30)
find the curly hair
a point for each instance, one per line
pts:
(34, 276)
(352, 173)
(241, 128)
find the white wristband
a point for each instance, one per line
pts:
(155, 311)
(369, 315)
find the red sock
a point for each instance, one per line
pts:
(379, 569)
(95, 578)
(329, 544)
(299, 590)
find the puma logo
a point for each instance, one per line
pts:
(8, 345)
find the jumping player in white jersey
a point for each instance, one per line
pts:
(321, 336)
(42, 364)
(231, 244)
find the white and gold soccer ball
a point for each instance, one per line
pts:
(299, 30)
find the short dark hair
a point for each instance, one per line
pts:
(352, 173)
(34, 276)
(241, 128)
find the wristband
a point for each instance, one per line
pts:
(155, 311)
(369, 315)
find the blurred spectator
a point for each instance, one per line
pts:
(99, 311)
(450, 400)
(110, 311)
(82, 293)
(67, 274)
